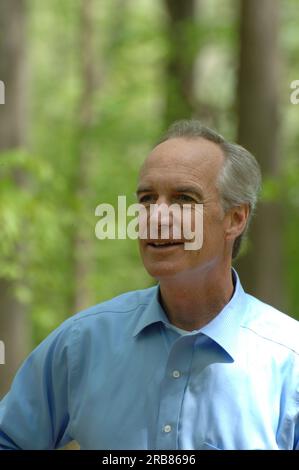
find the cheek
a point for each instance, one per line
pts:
(213, 227)
(192, 223)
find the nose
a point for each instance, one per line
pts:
(164, 221)
(157, 220)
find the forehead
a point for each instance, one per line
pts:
(181, 160)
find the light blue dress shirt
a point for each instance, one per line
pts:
(118, 376)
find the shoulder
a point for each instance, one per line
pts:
(118, 314)
(108, 319)
(271, 325)
(121, 305)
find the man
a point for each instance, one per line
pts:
(192, 363)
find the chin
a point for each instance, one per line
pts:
(163, 270)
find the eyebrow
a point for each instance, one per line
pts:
(180, 189)
(143, 189)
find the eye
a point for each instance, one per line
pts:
(146, 198)
(185, 198)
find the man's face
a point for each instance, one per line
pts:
(183, 171)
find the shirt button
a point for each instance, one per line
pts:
(176, 374)
(167, 428)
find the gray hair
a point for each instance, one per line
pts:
(239, 181)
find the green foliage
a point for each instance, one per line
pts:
(126, 121)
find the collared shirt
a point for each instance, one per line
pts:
(117, 376)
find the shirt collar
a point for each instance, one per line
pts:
(223, 329)
(153, 313)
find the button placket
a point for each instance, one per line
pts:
(172, 392)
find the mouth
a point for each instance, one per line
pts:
(164, 244)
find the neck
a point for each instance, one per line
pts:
(191, 301)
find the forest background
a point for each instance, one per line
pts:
(90, 85)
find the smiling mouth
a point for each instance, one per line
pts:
(165, 244)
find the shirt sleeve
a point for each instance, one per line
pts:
(35, 412)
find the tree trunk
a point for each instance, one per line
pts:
(14, 331)
(179, 80)
(261, 268)
(83, 243)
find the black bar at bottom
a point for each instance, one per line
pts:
(134, 459)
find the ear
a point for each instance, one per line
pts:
(236, 221)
